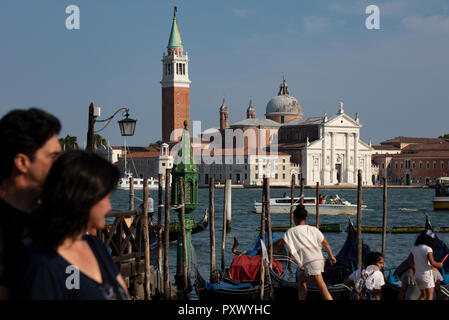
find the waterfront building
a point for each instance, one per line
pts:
(249, 169)
(326, 150)
(412, 161)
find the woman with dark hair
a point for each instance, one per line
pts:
(421, 260)
(65, 262)
(368, 281)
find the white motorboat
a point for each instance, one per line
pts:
(441, 199)
(123, 184)
(282, 206)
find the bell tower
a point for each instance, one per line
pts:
(175, 84)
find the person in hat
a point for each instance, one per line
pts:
(422, 261)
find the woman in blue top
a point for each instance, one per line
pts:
(65, 262)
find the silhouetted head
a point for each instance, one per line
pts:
(300, 214)
(22, 134)
(427, 238)
(75, 196)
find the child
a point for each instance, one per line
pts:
(304, 242)
(372, 277)
(421, 260)
(409, 288)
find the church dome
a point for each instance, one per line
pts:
(283, 103)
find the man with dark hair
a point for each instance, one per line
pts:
(29, 145)
(304, 243)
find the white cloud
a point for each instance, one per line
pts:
(242, 13)
(316, 24)
(432, 24)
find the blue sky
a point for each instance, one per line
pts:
(396, 78)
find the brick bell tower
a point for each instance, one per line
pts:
(175, 85)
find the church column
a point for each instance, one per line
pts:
(324, 160)
(309, 169)
(332, 179)
(356, 156)
(347, 157)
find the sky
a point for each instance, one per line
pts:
(396, 78)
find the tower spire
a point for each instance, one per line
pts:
(175, 40)
(251, 111)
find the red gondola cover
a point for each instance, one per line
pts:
(246, 268)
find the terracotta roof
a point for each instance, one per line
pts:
(292, 145)
(385, 147)
(247, 152)
(426, 147)
(423, 154)
(147, 154)
(402, 139)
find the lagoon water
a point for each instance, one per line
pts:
(406, 207)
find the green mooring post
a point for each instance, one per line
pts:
(185, 168)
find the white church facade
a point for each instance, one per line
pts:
(338, 153)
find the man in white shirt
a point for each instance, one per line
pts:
(305, 244)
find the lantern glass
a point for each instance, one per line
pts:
(127, 126)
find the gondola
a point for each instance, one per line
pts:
(333, 275)
(393, 285)
(199, 226)
(230, 289)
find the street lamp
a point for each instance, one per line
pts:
(127, 125)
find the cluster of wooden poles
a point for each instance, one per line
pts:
(164, 242)
(163, 266)
(266, 224)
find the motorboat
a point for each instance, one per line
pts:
(282, 206)
(441, 199)
(123, 184)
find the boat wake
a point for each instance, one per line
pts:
(408, 210)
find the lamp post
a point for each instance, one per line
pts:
(127, 125)
(185, 175)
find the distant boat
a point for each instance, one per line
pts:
(123, 184)
(282, 206)
(441, 199)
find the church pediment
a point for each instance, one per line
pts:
(342, 120)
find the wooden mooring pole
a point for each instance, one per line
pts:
(223, 237)
(167, 289)
(262, 237)
(159, 234)
(131, 200)
(146, 238)
(268, 216)
(384, 220)
(228, 199)
(213, 278)
(302, 190)
(317, 204)
(185, 261)
(359, 219)
(292, 203)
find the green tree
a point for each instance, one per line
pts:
(69, 142)
(156, 144)
(99, 140)
(446, 136)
